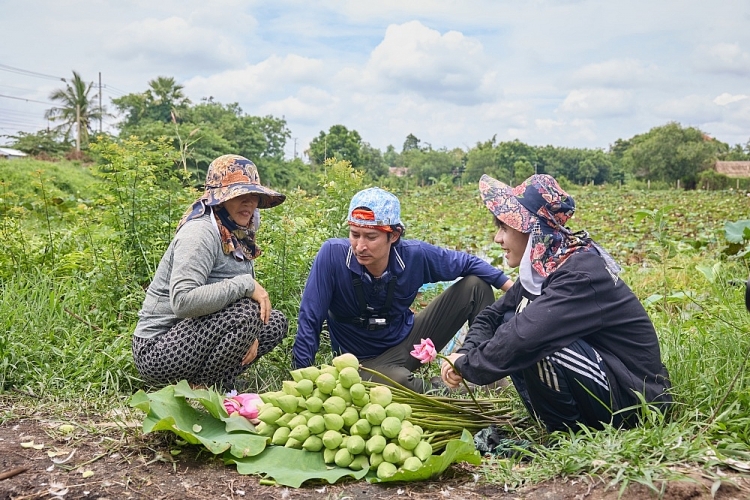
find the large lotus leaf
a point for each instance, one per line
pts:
(457, 450)
(290, 467)
(737, 232)
(214, 403)
(166, 411)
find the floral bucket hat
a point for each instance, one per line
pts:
(230, 176)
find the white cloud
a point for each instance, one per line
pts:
(275, 76)
(690, 110)
(418, 59)
(603, 103)
(174, 44)
(726, 98)
(617, 73)
(723, 58)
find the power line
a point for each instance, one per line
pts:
(19, 71)
(27, 100)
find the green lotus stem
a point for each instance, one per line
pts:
(463, 380)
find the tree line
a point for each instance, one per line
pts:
(668, 154)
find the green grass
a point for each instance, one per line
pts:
(71, 285)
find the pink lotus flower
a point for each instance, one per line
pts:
(425, 351)
(245, 404)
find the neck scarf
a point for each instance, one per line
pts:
(236, 240)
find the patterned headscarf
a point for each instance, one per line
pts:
(228, 177)
(541, 208)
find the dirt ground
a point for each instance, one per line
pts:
(105, 461)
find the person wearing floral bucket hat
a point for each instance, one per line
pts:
(575, 340)
(364, 286)
(205, 318)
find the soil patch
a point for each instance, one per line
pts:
(99, 460)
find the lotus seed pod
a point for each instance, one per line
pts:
(310, 373)
(344, 440)
(375, 414)
(332, 370)
(305, 387)
(288, 387)
(362, 402)
(300, 433)
(391, 426)
(326, 383)
(412, 464)
(359, 428)
(343, 458)
(296, 375)
(392, 453)
(407, 409)
(359, 462)
(313, 443)
(405, 454)
(295, 421)
(365, 407)
(395, 410)
(423, 451)
(332, 439)
(406, 423)
(270, 415)
(345, 360)
(381, 395)
(329, 454)
(376, 459)
(350, 416)
(316, 424)
(419, 430)
(283, 421)
(270, 397)
(335, 405)
(409, 438)
(355, 445)
(301, 403)
(376, 430)
(307, 414)
(386, 470)
(281, 436)
(288, 403)
(349, 376)
(333, 422)
(293, 443)
(314, 404)
(317, 394)
(376, 444)
(342, 392)
(265, 430)
(264, 406)
(358, 391)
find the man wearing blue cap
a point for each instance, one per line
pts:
(364, 288)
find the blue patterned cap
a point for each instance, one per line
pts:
(384, 205)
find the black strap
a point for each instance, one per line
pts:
(365, 311)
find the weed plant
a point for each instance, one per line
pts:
(72, 278)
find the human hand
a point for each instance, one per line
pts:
(260, 295)
(252, 353)
(448, 374)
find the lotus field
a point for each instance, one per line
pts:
(81, 243)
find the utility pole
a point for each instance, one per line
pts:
(100, 102)
(295, 147)
(78, 128)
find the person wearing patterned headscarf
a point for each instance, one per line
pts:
(575, 340)
(205, 318)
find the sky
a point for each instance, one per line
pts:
(454, 73)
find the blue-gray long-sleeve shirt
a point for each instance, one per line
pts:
(330, 288)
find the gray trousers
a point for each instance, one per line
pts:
(439, 321)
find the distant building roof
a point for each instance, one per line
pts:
(8, 152)
(733, 168)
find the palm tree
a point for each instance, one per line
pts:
(77, 109)
(165, 96)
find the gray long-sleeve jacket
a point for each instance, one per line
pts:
(194, 278)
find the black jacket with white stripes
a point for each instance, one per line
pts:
(580, 300)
